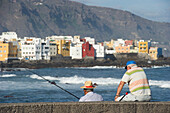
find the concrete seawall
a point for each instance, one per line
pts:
(88, 107)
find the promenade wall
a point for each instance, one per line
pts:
(88, 107)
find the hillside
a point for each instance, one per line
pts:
(41, 18)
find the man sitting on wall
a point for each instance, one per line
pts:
(138, 84)
(89, 95)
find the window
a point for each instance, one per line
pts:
(0, 51)
(0, 46)
(4, 51)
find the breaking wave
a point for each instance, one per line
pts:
(102, 81)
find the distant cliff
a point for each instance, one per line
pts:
(41, 18)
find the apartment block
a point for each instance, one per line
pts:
(53, 49)
(90, 40)
(76, 51)
(118, 42)
(8, 36)
(99, 51)
(8, 51)
(109, 44)
(128, 42)
(45, 49)
(88, 50)
(155, 53)
(143, 46)
(31, 48)
(122, 49)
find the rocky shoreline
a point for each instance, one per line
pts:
(83, 63)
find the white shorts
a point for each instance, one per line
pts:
(131, 97)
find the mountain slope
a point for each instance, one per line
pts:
(41, 18)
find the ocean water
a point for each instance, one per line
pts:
(26, 86)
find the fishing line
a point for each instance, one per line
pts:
(52, 82)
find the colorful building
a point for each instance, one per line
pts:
(8, 51)
(109, 44)
(128, 42)
(122, 49)
(143, 47)
(155, 53)
(87, 50)
(63, 47)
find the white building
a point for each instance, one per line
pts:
(8, 36)
(76, 40)
(99, 51)
(54, 37)
(119, 42)
(90, 40)
(76, 51)
(110, 51)
(45, 49)
(31, 48)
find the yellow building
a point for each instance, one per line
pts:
(110, 44)
(63, 47)
(143, 47)
(122, 49)
(155, 52)
(7, 51)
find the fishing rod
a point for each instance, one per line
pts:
(123, 96)
(52, 82)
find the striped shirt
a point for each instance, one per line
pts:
(137, 80)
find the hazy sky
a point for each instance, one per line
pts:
(156, 10)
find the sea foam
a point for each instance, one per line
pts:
(101, 80)
(10, 75)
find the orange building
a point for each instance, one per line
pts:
(7, 51)
(122, 49)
